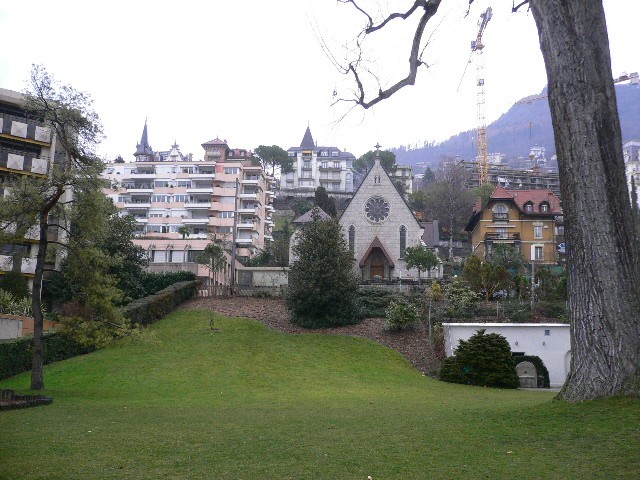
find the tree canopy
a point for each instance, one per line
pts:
(273, 156)
(364, 163)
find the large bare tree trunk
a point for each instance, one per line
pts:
(603, 273)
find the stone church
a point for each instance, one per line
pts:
(379, 226)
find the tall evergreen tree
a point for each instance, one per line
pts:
(322, 285)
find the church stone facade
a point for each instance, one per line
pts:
(378, 226)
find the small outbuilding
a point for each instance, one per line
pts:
(549, 341)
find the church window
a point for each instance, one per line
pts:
(403, 240)
(377, 209)
(352, 239)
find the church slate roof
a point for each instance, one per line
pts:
(143, 148)
(308, 217)
(307, 140)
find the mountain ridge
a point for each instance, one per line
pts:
(514, 133)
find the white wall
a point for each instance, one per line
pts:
(549, 341)
(10, 328)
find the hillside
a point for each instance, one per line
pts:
(520, 128)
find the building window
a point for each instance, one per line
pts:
(560, 230)
(325, 164)
(335, 153)
(352, 239)
(502, 232)
(403, 240)
(225, 214)
(538, 253)
(528, 207)
(544, 207)
(324, 153)
(500, 212)
(336, 164)
(537, 231)
(232, 170)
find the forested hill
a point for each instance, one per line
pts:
(515, 132)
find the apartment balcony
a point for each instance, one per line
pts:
(24, 162)
(247, 226)
(196, 221)
(248, 196)
(247, 210)
(197, 205)
(306, 167)
(20, 127)
(268, 237)
(329, 168)
(270, 208)
(27, 265)
(502, 237)
(269, 223)
(500, 217)
(196, 190)
(330, 180)
(203, 176)
(140, 176)
(139, 189)
(244, 241)
(141, 219)
(136, 205)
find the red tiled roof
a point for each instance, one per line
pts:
(536, 197)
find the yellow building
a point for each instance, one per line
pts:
(530, 220)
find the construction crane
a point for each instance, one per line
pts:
(633, 78)
(477, 47)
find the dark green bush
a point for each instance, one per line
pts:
(16, 284)
(552, 309)
(517, 312)
(541, 370)
(16, 355)
(374, 301)
(483, 360)
(154, 282)
(147, 310)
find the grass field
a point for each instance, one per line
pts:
(245, 402)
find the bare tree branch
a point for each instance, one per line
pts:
(430, 8)
(516, 7)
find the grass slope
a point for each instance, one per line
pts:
(245, 402)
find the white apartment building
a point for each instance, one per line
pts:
(181, 205)
(316, 166)
(27, 147)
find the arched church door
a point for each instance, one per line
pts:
(377, 267)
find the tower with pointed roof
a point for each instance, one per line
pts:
(315, 166)
(144, 152)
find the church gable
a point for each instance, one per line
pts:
(378, 226)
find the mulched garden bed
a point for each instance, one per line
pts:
(413, 344)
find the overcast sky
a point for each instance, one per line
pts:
(255, 72)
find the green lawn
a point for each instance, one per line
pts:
(248, 403)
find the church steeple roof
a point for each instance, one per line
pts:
(307, 140)
(143, 148)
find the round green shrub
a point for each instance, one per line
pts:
(400, 316)
(483, 360)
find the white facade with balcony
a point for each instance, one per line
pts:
(316, 166)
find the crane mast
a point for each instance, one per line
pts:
(477, 47)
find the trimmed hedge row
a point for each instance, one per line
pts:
(148, 310)
(16, 355)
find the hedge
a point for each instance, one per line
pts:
(541, 371)
(148, 310)
(16, 355)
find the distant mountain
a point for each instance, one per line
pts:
(515, 132)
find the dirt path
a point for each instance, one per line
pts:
(414, 344)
